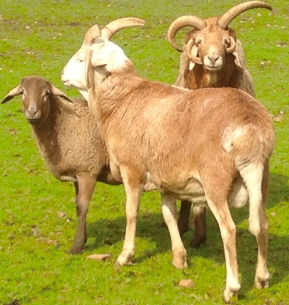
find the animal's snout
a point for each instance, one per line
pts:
(32, 110)
(33, 114)
(213, 58)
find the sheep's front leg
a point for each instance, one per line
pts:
(84, 188)
(169, 210)
(133, 193)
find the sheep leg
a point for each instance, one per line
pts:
(184, 216)
(84, 188)
(258, 225)
(198, 222)
(228, 233)
(133, 194)
(169, 210)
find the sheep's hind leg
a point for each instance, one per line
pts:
(198, 222)
(258, 223)
(84, 188)
(228, 233)
(169, 210)
(184, 217)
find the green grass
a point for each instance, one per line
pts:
(39, 37)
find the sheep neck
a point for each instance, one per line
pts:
(108, 96)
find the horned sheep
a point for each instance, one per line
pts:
(207, 145)
(211, 57)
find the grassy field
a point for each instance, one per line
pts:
(39, 37)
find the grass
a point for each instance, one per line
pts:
(38, 37)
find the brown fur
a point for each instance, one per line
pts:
(68, 139)
(229, 76)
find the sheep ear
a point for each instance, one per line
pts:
(98, 61)
(57, 92)
(237, 61)
(16, 91)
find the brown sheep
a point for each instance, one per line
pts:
(71, 150)
(68, 140)
(212, 57)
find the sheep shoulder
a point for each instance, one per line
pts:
(69, 140)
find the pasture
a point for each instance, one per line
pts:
(37, 212)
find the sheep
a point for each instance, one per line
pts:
(212, 57)
(208, 145)
(72, 151)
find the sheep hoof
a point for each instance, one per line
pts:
(180, 259)
(261, 283)
(125, 259)
(229, 293)
(76, 250)
(198, 241)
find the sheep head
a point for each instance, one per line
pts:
(211, 39)
(76, 72)
(35, 93)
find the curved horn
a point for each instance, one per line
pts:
(192, 57)
(113, 27)
(91, 34)
(181, 22)
(232, 46)
(235, 11)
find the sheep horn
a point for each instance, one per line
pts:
(113, 27)
(16, 91)
(235, 11)
(192, 57)
(232, 46)
(181, 22)
(91, 34)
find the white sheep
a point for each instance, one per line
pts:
(212, 57)
(207, 145)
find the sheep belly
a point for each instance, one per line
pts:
(193, 191)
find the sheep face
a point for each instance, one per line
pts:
(211, 45)
(73, 74)
(36, 93)
(103, 56)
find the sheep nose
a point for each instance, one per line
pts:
(32, 110)
(213, 58)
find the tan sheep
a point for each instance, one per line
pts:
(212, 57)
(206, 146)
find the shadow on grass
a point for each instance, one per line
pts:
(150, 226)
